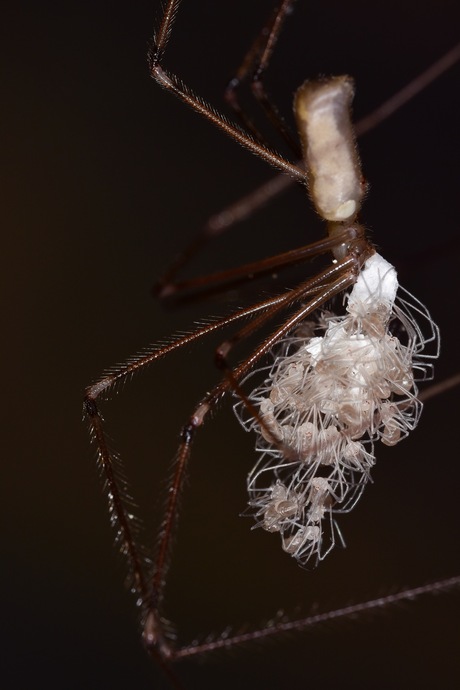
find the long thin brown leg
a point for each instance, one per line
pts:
(220, 223)
(279, 627)
(171, 83)
(439, 388)
(253, 67)
(406, 94)
(121, 507)
(222, 280)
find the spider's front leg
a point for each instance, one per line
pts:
(173, 84)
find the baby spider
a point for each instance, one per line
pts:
(325, 400)
(340, 364)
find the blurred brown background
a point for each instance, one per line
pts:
(104, 178)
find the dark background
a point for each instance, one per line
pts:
(104, 178)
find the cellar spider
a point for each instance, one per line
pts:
(338, 277)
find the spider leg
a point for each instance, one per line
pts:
(439, 388)
(406, 94)
(222, 280)
(280, 626)
(221, 222)
(253, 67)
(171, 83)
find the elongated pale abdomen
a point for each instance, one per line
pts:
(322, 110)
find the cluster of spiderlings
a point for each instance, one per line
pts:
(324, 402)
